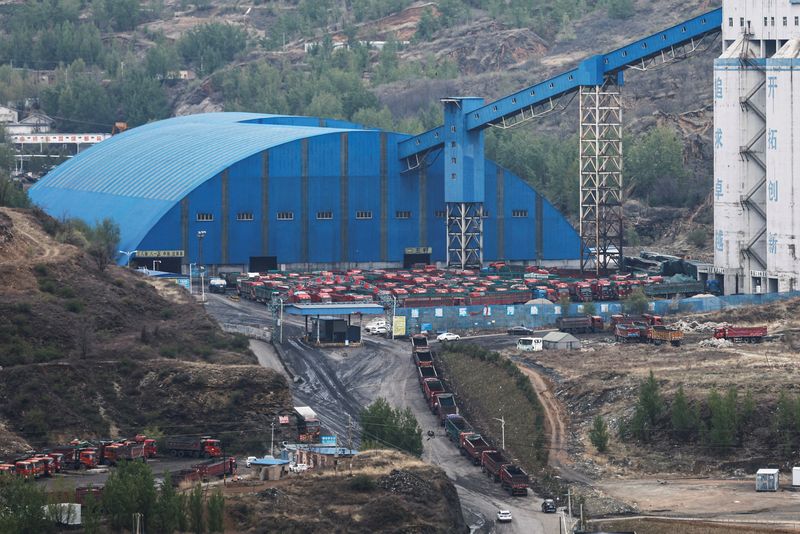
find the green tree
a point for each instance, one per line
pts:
(388, 63)
(130, 489)
(21, 505)
(722, 427)
(636, 302)
(161, 60)
(654, 168)
(427, 26)
(598, 435)
(196, 517)
(385, 427)
(103, 242)
(648, 410)
(783, 423)
(216, 510)
(682, 416)
(211, 45)
(91, 515)
(140, 98)
(168, 508)
(589, 308)
(78, 100)
(565, 302)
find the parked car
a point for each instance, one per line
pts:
(530, 344)
(382, 329)
(520, 331)
(549, 506)
(448, 336)
(249, 460)
(504, 516)
(298, 468)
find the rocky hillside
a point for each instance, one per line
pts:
(386, 492)
(90, 353)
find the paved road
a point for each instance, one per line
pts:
(339, 382)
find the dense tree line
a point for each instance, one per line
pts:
(384, 427)
(130, 489)
(719, 424)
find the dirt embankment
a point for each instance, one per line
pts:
(388, 492)
(87, 353)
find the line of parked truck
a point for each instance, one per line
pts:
(470, 443)
(79, 454)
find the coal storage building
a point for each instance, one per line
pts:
(255, 192)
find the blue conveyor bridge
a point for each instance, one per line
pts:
(596, 81)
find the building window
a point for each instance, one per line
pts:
(453, 176)
(285, 215)
(402, 215)
(453, 161)
(785, 21)
(730, 22)
(363, 215)
(244, 216)
(485, 214)
(453, 129)
(452, 144)
(741, 22)
(440, 214)
(519, 213)
(324, 215)
(772, 21)
(205, 217)
(765, 21)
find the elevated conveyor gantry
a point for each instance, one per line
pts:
(597, 81)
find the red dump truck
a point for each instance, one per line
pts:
(491, 462)
(427, 371)
(514, 480)
(124, 452)
(473, 445)
(76, 457)
(431, 387)
(418, 340)
(580, 325)
(741, 334)
(150, 447)
(216, 467)
(456, 428)
(423, 357)
(194, 447)
(445, 405)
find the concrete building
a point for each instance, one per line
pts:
(755, 226)
(8, 115)
(254, 192)
(35, 123)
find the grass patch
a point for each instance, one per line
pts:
(487, 386)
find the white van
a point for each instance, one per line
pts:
(379, 323)
(529, 344)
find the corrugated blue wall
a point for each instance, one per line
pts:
(347, 173)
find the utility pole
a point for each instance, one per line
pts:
(272, 438)
(569, 504)
(503, 429)
(280, 322)
(350, 442)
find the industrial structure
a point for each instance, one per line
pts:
(756, 228)
(255, 192)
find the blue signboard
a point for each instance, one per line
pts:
(183, 282)
(328, 440)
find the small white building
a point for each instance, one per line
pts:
(560, 341)
(8, 115)
(32, 124)
(768, 480)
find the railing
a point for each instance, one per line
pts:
(253, 332)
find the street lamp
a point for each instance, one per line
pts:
(128, 253)
(503, 427)
(200, 235)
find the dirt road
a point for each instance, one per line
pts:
(339, 382)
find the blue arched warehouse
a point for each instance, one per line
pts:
(288, 192)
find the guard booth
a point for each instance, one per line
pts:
(332, 324)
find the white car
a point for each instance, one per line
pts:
(448, 336)
(378, 329)
(503, 516)
(298, 468)
(249, 460)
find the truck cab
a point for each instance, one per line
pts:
(212, 447)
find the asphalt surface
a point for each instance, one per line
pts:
(338, 383)
(97, 477)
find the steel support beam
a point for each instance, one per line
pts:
(601, 215)
(465, 235)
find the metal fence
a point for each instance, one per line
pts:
(250, 331)
(543, 315)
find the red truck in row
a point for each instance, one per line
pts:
(193, 447)
(741, 334)
(473, 445)
(491, 462)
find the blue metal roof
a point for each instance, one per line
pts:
(333, 309)
(268, 461)
(137, 176)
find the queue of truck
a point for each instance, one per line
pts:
(469, 443)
